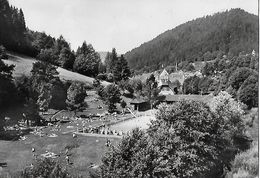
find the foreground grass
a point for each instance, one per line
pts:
(85, 150)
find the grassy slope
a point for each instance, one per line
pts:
(23, 66)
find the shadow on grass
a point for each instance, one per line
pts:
(13, 135)
(3, 164)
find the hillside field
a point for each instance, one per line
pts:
(23, 66)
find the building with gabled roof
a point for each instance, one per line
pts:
(163, 84)
(140, 104)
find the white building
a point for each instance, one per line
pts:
(163, 84)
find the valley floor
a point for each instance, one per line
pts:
(84, 149)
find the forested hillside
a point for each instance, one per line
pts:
(16, 37)
(13, 32)
(206, 38)
(40, 79)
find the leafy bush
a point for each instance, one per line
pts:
(88, 86)
(100, 91)
(7, 87)
(248, 92)
(59, 94)
(66, 58)
(126, 159)
(75, 95)
(87, 60)
(251, 117)
(102, 76)
(46, 55)
(45, 168)
(229, 113)
(110, 77)
(111, 94)
(7, 90)
(185, 140)
(191, 85)
(96, 83)
(136, 84)
(47, 86)
(204, 85)
(223, 103)
(3, 54)
(186, 66)
(239, 76)
(208, 69)
(125, 85)
(123, 104)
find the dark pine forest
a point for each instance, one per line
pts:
(202, 39)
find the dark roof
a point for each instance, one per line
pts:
(137, 101)
(175, 98)
(57, 115)
(173, 85)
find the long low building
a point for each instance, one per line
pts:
(140, 104)
(175, 98)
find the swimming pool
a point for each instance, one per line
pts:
(142, 122)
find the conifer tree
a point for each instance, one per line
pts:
(75, 96)
(111, 61)
(107, 62)
(112, 96)
(125, 74)
(117, 71)
(47, 86)
(87, 60)
(7, 89)
(66, 58)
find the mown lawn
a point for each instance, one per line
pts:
(18, 155)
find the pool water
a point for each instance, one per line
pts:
(125, 126)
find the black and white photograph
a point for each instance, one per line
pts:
(129, 88)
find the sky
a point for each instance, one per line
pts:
(120, 24)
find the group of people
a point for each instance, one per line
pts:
(102, 129)
(108, 143)
(38, 131)
(53, 155)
